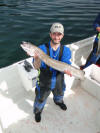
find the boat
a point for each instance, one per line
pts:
(82, 97)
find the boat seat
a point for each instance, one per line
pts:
(92, 80)
(28, 74)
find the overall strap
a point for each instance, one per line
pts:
(61, 52)
(48, 53)
(47, 47)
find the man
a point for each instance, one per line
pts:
(94, 57)
(49, 78)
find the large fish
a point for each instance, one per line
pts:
(55, 64)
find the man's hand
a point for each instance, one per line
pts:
(37, 61)
(68, 73)
(36, 56)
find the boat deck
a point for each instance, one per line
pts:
(16, 109)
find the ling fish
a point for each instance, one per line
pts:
(55, 64)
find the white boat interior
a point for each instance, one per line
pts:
(81, 97)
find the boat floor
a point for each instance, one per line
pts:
(16, 111)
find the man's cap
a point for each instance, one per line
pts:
(57, 27)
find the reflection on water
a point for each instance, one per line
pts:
(30, 20)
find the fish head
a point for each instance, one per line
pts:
(27, 47)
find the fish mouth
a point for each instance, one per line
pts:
(24, 44)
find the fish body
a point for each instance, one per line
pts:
(55, 64)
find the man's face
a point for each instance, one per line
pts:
(56, 37)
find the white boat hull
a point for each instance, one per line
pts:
(16, 104)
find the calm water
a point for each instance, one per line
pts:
(30, 20)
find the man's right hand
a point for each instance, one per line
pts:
(36, 56)
(37, 61)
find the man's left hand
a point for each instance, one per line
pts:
(68, 73)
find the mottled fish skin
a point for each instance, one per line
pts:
(55, 64)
